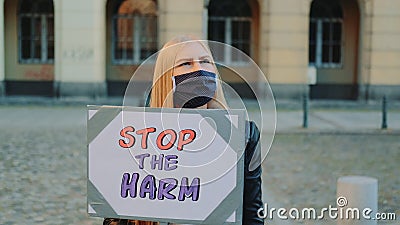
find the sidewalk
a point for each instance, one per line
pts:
(328, 116)
(344, 121)
(333, 117)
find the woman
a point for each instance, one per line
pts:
(185, 76)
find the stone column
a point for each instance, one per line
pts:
(385, 50)
(2, 65)
(180, 17)
(357, 193)
(285, 30)
(80, 48)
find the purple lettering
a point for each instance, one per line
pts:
(129, 184)
(170, 161)
(148, 186)
(165, 186)
(141, 158)
(154, 161)
(187, 191)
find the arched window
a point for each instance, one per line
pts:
(325, 40)
(134, 31)
(36, 31)
(229, 21)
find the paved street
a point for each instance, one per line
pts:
(43, 160)
(43, 170)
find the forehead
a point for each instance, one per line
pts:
(192, 50)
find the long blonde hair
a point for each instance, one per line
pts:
(161, 93)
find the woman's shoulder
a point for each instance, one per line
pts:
(252, 156)
(252, 132)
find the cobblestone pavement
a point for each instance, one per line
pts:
(301, 171)
(43, 166)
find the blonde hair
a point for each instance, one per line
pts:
(161, 93)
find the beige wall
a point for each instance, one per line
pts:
(364, 50)
(180, 17)
(282, 51)
(284, 38)
(2, 68)
(80, 40)
(385, 43)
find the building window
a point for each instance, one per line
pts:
(36, 31)
(134, 32)
(325, 34)
(229, 21)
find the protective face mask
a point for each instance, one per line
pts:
(194, 89)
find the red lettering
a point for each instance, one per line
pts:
(171, 142)
(128, 140)
(145, 135)
(124, 133)
(182, 141)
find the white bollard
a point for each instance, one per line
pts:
(357, 193)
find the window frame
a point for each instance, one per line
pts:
(44, 38)
(137, 42)
(319, 43)
(228, 37)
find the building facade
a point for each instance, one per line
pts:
(350, 48)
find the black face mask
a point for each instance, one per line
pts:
(194, 89)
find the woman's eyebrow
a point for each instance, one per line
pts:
(191, 59)
(183, 60)
(205, 57)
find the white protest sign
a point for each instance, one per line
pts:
(168, 165)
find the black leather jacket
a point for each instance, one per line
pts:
(252, 179)
(252, 183)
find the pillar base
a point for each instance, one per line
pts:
(2, 89)
(376, 92)
(75, 89)
(289, 91)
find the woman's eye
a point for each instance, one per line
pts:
(184, 64)
(205, 61)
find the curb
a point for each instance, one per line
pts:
(337, 132)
